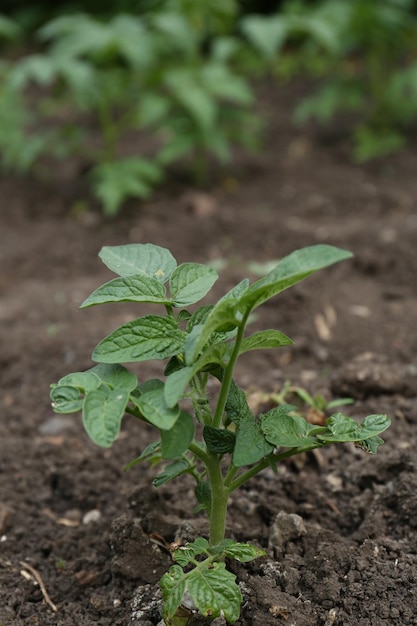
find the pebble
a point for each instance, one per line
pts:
(91, 516)
(286, 527)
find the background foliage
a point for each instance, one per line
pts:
(135, 88)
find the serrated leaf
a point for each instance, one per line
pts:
(283, 429)
(215, 592)
(176, 440)
(139, 258)
(219, 440)
(190, 282)
(149, 337)
(237, 407)
(291, 270)
(342, 428)
(203, 494)
(136, 288)
(115, 375)
(177, 382)
(86, 381)
(66, 399)
(103, 410)
(265, 339)
(173, 585)
(154, 408)
(170, 472)
(243, 552)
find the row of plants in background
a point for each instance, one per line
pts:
(176, 76)
(211, 435)
(362, 53)
(167, 75)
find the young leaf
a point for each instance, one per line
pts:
(243, 552)
(251, 444)
(136, 288)
(176, 440)
(103, 410)
(150, 453)
(215, 592)
(265, 339)
(115, 375)
(66, 399)
(154, 408)
(203, 495)
(173, 585)
(342, 428)
(190, 282)
(139, 258)
(149, 337)
(291, 270)
(185, 554)
(283, 429)
(86, 381)
(219, 440)
(177, 468)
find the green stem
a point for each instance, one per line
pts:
(219, 499)
(228, 374)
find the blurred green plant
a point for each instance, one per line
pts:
(168, 73)
(363, 52)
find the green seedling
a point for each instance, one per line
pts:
(219, 442)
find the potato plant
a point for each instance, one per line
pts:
(220, 443)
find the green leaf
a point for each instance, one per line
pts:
(215, 592)
(176, 440)
(291, 270)
(342, 428)
(370, 445)
(265, 339)
(85, 381)
(237, 407)
(219, 440)
(283, 429)
(251, 444)
(149, 337)
(190, 282)
(185, 554)
(177, 468)
(177, 382)
(150, 453)
(139, 258)
(154, 408)
(103, 410)
(243, 552)
(203, 495)
(66, 399)
(136, 288)
(173, 585)
(115, 375)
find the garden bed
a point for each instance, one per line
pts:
(71, 518)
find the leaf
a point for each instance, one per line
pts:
(85, 381)
(190, 282)
(243, 552)
(177, 382)
(237, 407)
(185, 554)
(215, 592)
(291, 270)
(173, 585)
(175, 441)
(66, 399)
(150, 453)
(139, 258)
(171, 471)
(251, 444)
(370, 445)
(266, 34)
(154, 408)
(115, 375)
(283, 429)
(265, 339)
(103, 410)
(136, 288)
(149, 337)
(203, 495)
(342, 428)
(219, 440)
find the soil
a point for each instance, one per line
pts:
(339, 526)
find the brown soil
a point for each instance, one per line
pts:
(68, 512)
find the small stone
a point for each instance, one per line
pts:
(286, 527)
(92, 516)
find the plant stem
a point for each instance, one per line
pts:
(219, 498)
(228, 374)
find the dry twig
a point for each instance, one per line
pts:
(37, 577)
